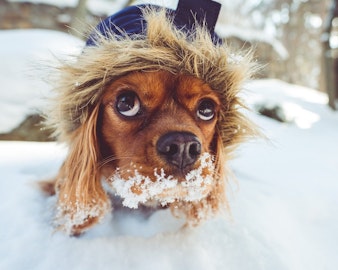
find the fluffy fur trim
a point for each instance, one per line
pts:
(81, 83)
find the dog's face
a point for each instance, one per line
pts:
(134, 112)
(156, 126)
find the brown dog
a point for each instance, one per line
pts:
(155, 118)
(163, 132)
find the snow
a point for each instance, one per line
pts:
(296, 109)
(23, 85)
(283, 203)
(227, 30)
(165, 189)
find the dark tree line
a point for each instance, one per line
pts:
(330, 56)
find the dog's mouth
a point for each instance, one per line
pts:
(137, 188)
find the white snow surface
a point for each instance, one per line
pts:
(284, 203)
(26, 58)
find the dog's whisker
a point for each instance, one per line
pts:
(114, 158)
(107, 160)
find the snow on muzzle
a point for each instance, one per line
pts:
(166, 188)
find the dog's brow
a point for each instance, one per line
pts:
(195, 89)
(148, 95)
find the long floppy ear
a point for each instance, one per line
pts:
(82, 201)
(216, 201)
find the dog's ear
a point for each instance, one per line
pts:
(82, 200)
(217, 197)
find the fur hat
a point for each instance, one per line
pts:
(164, 43)
(188, 13)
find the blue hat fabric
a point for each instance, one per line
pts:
(129, 21)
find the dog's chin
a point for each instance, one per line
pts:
(135, 187)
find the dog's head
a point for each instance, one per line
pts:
(158, 138)
(157, 115)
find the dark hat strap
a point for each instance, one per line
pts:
(188, 11)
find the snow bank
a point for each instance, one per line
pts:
(283, 205)
(26, 56)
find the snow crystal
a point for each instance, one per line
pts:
(166, 189)
(70, 215)
(235, 59)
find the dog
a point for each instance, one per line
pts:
(150, 116)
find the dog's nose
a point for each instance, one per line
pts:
(179, 148)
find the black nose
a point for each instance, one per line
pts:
(179, 148)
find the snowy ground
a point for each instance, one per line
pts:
(284, 203)
(26, 57)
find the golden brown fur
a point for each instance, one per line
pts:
(171, 73)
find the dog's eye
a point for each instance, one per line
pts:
(128, 104)
(206, 110)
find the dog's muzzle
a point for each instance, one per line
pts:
(180, 149)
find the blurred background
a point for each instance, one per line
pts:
(295, 40)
